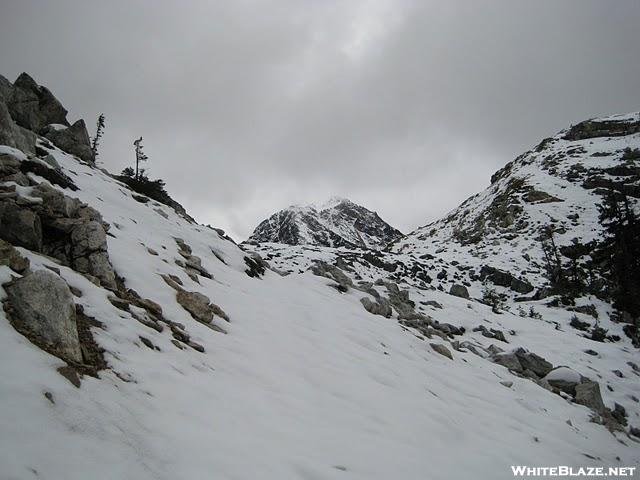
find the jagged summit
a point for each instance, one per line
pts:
(336, 223)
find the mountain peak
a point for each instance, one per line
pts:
(336, 223)
(332, 202)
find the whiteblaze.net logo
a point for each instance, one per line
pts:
(565, 471)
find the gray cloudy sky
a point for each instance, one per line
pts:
(249, 106)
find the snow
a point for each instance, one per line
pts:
(564, 374)
(14, 152)
(306, 384)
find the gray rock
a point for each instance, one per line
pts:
(588, 394)
(43, 309)
(56, 202)
(20, 226)
(5, 89)
(10, 257)
(508, 360)
(13, 135)
(32, 106)
(89, 252)
(376, 308)
(196, 304)
(532, 362)
(442, 350)
(51, 161)
(566, 382)
(73, 140)
(459, 291)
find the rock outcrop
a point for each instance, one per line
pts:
(47, 221)
(74, 139)
(33, 107)
(28, 109)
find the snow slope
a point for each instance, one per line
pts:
(306, 384)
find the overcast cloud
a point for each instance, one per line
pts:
(249, 106)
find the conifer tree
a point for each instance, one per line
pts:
(140, 156)
(99, 131)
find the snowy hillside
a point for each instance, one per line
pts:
(177, 355)
(337, 223)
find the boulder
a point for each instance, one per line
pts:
(588, 394)
(74, 140)
(10, 257)
(508, 360)
(532, 362)
(564, 379)
(376, 308)
(442, 350)
(459, 291)
(42, 308)
(196, 304)
(20, 226)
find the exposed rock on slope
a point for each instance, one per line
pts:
(339, 223)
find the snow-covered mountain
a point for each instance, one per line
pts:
(337, 223)
(136, 343)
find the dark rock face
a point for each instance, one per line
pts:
(594, 128)
(343, 224)
(505, 279)
(20, 226)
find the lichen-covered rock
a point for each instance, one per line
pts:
(42, 308)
